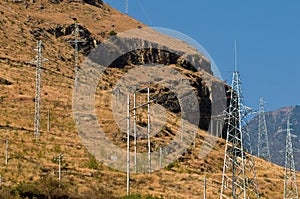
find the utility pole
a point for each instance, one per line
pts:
(48, 126)
(160, 157)
(204, 189)
(181, 132)
(134, 132)
(218, 129)
(290, 182)
(6, 151)
(238, 177)
(59, 158)
(149, 130)
(218, 122)
(135, 108)
(76, 41)
(128, 144)
(39, 60)
(195, 139)
(263, 141)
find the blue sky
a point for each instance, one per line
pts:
(267, 34)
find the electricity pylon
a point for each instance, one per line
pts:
(39, 60)
(263, 141)
(290, 182)
(239, 177)
(76, 41)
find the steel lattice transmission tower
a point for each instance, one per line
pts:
(76, 41)
(39, 60)
(263, 141)
(290, 183)
(239, 177)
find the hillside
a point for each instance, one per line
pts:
(276, 124)
(32, 168)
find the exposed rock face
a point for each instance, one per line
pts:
(152, 48)
(92, 2)
(159, 56)
(86, 41)
(55, 1)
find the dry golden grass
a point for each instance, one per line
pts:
(31, 160)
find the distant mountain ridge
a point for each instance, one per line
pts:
(277, 125)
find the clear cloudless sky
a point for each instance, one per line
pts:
(267, 34)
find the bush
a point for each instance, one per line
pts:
(92, 163)
(112, 33)
(172, 165)
(26, 191)
(133, 196)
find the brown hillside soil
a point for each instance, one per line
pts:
(32, 167)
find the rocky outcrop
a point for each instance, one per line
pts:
(147, 47)
(55, 1)
(86, 40)
(165, 57)
(94, 2)
(91, 2)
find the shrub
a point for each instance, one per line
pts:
(133, 196)
(171, 165)
(112, 33)
(26, 191)
(92, 163)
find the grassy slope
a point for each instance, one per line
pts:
(32, 160)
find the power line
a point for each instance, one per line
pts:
(263, 141)
(290, 182)
(144, 10)
(239, 176)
